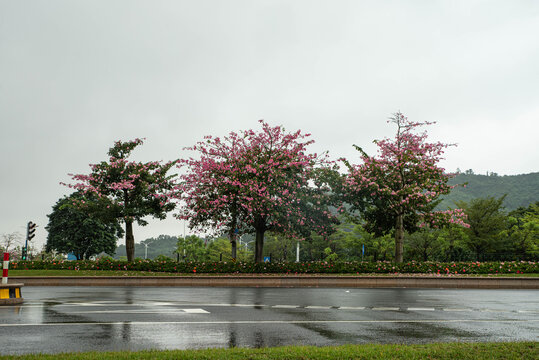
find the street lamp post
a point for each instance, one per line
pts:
(145, 250)
(246, 243)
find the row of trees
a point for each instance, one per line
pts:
(494, 234)
(253, 182)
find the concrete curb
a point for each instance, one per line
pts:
(10, 294)
(287, 281)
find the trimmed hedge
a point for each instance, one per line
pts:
(171, 266)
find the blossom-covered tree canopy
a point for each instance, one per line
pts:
(256, 182)
(402, 184)
(127, 190)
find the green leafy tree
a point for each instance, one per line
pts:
(73, 230)
(219, 249)
(348, 242)
(192, 248)
(351, 238)
(312, 248)
(523, 231)
(487, 222)
(453, 240)
(127, 191)
(423, 245)
(281, 248)
(331, 256)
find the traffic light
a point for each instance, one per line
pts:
(30, 231)
(24, 253)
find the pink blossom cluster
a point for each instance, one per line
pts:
(252, 180)
(266, 180)
(129, 188)
(405, 174)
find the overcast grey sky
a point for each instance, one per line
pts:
(77, 75)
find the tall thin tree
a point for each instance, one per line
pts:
(401, 185)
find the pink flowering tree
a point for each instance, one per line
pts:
(399, 188)
(253, 182)
(126, 190)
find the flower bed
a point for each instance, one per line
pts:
(514, 267)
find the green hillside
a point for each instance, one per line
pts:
(521, 190)
(161, 245)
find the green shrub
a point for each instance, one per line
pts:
(169, 265)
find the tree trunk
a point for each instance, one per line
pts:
(399, 239)
(129, 241)
(233, 243)
(234, 247)
(259, 246)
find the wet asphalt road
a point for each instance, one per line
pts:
(66, 319)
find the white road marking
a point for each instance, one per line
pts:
(352, 308)
(150, 307)
(317, 307)
(86, 304)
(196, 311)
(225, 305)
(142, 311)
(160, 304)
(248, 322)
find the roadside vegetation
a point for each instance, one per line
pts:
(171, 266)
(262, 193)
(268, 181)
(104, 273)
(450, 351)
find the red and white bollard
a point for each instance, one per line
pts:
(6, 266)
(10, 294)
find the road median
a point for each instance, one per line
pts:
(288, 281)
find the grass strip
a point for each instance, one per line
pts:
(150, 273)
(490, 351)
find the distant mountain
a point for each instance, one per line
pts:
(521, 190)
